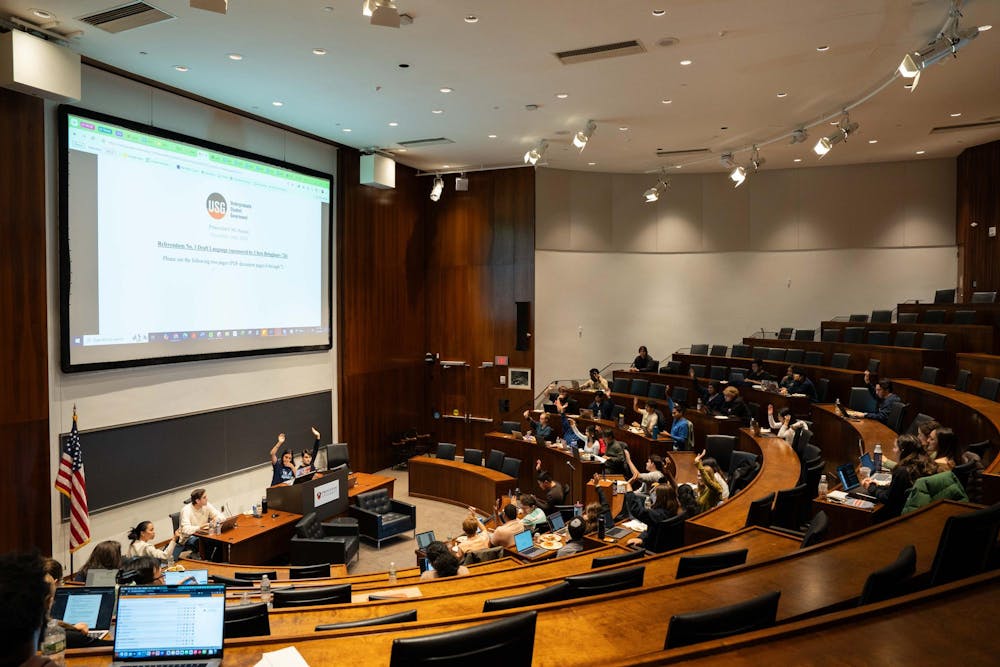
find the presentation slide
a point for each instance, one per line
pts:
(179, 250)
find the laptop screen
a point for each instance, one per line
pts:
(523, 541)
(92, 605)
(165, 621)
(848, 477)
(185, 578)
(556, 521)
(424, 539)
(97, 577)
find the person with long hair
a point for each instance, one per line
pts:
(26, 598)
(142, 571)
(688, 500)
(784, 425)
(142, 542)
(283, 470)
(443, 561)
(711, 491)
(106, 555)
(913, 463)
(76, 633)
(664, 506)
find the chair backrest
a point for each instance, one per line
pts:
(988, 388)
(554, 593)
(689, 566)
(737, 376)
(964, 473)
(668, 534)
(402, 617)
(840, 359)
(699, 348)
(742, 351)
(679, 394)
(785, 333)
(881, 316)
(494, 460)
(944, 296)
(790, 507)
(814, 358)
(246, 620)
(904, 338)
(917, 421)
(964, 317)
(929, 374)
(775, 354)
(618, 559)
(652, 366)
(446, 451)
(255, 576)
(718, 372)
(313, 595)
(822, 388)
(672, 367)
(620, 385)
(983, 297)
(639, 387)
(511, 467)
(175, 519)
(933, 341)
(887, 582)
(699, 370)
(979, 448)
(805, 334)
(700, 626)
(858, 317)
(621, 579)
(861, 399)
(906, 318)
(317, 571)
(894, 419)
(873, 365)
(816, 531)
(759, 513)
(377, 501)
(934, 316)
(720, 447)
(618, 412)
(878, 337)
(473, 456)
(812, 474)
(657, 391)
(337, 454)
(228, 581)
(794, 355)
(483, 555)
(510, 427)
(719, 350)
(854, 334)
(829, 335)
(966, 545)
(505, 641)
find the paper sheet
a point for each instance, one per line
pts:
(286, 657)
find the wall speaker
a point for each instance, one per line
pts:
(523, 325)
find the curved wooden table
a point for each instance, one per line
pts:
(457, 482)
(564, 467)
(839, 438)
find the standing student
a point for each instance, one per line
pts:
(283, 472)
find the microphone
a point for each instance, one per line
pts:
(571, 465)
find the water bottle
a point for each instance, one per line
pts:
(621, 420)
(54, 643)
(699, 405)
(600, 527)
(392, 572)
(246, 598)
(822, 488)
(577, 508)
(265, 590)
(877, 458)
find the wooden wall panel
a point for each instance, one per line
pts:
(24, 392)
(978, 200)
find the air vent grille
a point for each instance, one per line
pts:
(600, 52)
(966, 126)
(126, 17)
(417, 143)
(660, 152)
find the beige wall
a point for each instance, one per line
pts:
(710, 263)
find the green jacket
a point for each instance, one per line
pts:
(942, 486)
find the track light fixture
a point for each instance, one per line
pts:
(535, 154)
(738, 173)
(437, 188)
(655, 192)
(845, 128)
(948, 42)
(581, 138)
(382, 12)
(799, 136)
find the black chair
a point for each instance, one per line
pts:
(583, 585)
(988, 388)
(337, 454)
(719, 351)
(888, 582)
(979, 448)
(473, 456)
(652, 366)
(737, 376)
(494, 460)
(672, 367)
(566, 511)
(699, 349)
(720, 448)
(657, 391)
(737, 460)
(679, 394)
(930, 374)
(822, 389)
(881, 316)
(511, 467)
(814, 358)
(964, 474)
(854, 334)
(317, 571)
(794, 356)
(894, 419)
(812, 474)
(829, 335)
(446, 451)
(785, 333)
(742, 351)
(639, 387)
(811, 454)
(689, 566)
(964, 317)
(983, 297)
(840, 360)
(702, 626)
(509, 427)
(861, 399)
(255, 576)
(934, 317)
(618, 413)
(858, 317)
(554, 593)
(917, 421)
(775, 354)
(873, 365)
(966, 545)
(402, 617)
(175, 519)
(718, 373)
(381, 517)
(878, 337)
(760, 512)
(506, 641)
(805, 334)
(699, 370)
(906, 318)
(229, 581)
(944, 296)
(245, 620)
(604, 561)
(335, 542)
(933, 341)
(620, 385)
(905, 338)
(311, 596)
(816, 531)
(791, 507)
(667, 534)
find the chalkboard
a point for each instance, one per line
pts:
(126, 463)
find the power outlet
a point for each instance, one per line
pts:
(993, 231)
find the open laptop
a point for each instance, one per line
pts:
(306, 477)
(556, 523)
(185, 578)
(848, 477)
(517, 435)
(424, 539)
(550, 408)
(844, 413)
(228, 524)
(525, 545)
(878, 476)
(613, 531)
(91, 605)
(102, 577)
(172, 626)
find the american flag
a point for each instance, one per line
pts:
(72, 483)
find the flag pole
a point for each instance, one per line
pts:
(71, 570)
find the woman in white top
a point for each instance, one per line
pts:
(784, 426)
(143, 543)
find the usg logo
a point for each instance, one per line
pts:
(216, 206)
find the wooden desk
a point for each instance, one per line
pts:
(961, 337)
(986, 313)
(457, 483)
(255, 541)
(980, 365)
(554, 460)
(839, 437)
(800, 406)
(365, 482)
(229, 570)
(846, 519)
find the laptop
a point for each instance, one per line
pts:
(613, 531)
(517, 435)
(424, 539)
(173, 626)
(525, 545)
(878, 476)
(228, 524)
(185, 578)
(307, 477)
(102, 577)
(550, 408)
(844, 413)
(586, 413)
(556, 523)
(91, 605)
(848, 477)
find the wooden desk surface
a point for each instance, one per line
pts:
(457, 482)
(553, 460)
(838, 437)
(961, 337)
(249, 527)
(369, 482)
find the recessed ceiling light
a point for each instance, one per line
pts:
(446, 89)
(400, 150)
(319, 52)
(181, 68)
(347, 129)
(955, 115)
(686, 62)
(393, 123)
(984, 28)
(659, 12)
(921, 152)
(235, 56)
(822, 48)
(43, 14)
(491, 136)
(798, 159)
(591, 164)
(679, 166)
(873, 141)
(562, 96)
(623, 128)
(278, 103)
(437, 110)
(328, 8)
(782, 94)
(471, 19)
(446, 166)
(666, 101)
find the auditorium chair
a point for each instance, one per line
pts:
(742, 351)
(701, 626)
(473, 457)
(813, 472)
(830, 335)
(699, 370)
(718, 373)
(690, 566)
(785, 333)
(816, 531)
(483, 555)
(894, 419)
(667, 534)
(381, 517)
(554, 593)
(878, 337)
(228, 581)
(511, 467)
(255, 576)
(652, 366)
(805, 334)
(494, 460)
(814, 358)
(861, 400)
(639, 387)
(657, 391)
(906, 318)
(618, 559)
(881, 316)
(858, 317)
(315, 543)
(509, 427)
(944, 296)
(889, 581)
(719, 350)
(794, 355)
(445, 451)
(503, 641)
(597, 583)
(679, 394)
(175, 519)
(967, 545)
(776, 354)
(964, 317)
(873, 365)
(983, 297)
(854, 334)
(245, 620)
(791, 506)
(720, 448)
(400, 617)
(317, 571)
(699, 348)
(934, 317)
(933, 341)
(840, 360)
(672, 367)
(618, 413)
(822, 388)
(988, 388)
(337, 454)
(312, 596)
(966, 474)
(759, 513)
(620, 386)
(930, 374)
(905, 338)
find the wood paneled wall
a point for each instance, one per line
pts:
(24, 393)
(978, 200)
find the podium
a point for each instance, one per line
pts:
(325, 494)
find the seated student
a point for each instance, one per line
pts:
(602, 406)
(571, 434)
(106, 555)
(475, 539)
(575, 544)
(681, 430)
(664, 506)
(711, 397)
(543, 432)
(308, 457)
(143, 542)
(650, 478)
(552, 490)
(282, 470)
(195, 516)
(757, 371)
(650, 420)
(924, 431)
(565, 403)
(788, 379)
(884, 400)
(710, 490)
(26, 599)
(503, 535)
(784, 426)
(733, 405)
(594, 510)
(596, 382)
(614, 453)
(948, 451)
(913, 463)
(142, 571)
(76, 634)
(642, 362)
(443, 561)
(592, 445)
(533, 515)
(800, 384)
(688, 500)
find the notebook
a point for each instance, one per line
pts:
(170, 625)
(611, 530)
(424, 539)
(185, 578)
(91, 605)
(556, 523)
(525, 545)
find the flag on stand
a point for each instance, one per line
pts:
(72, 483)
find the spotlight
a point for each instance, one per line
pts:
(949, 41)
(799, 136)
(908, 70)
(655, 192)
(738, 173)
(437, 189)
(535, 154)
(845, 128)
(581, 138)
(382, 12)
